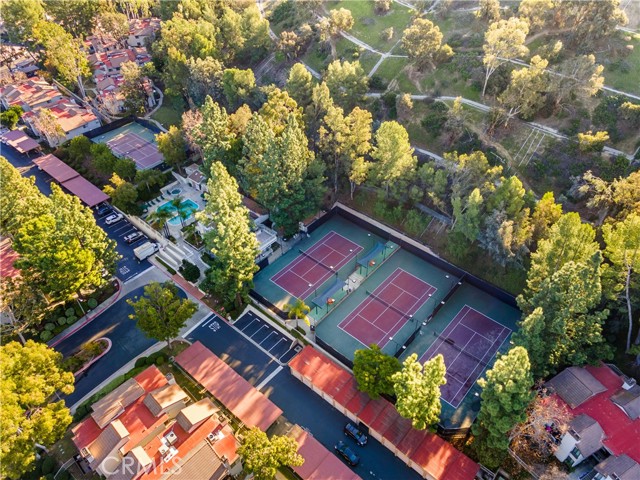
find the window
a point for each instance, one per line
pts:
(575, 453)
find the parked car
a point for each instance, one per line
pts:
(115, 218)
(350, 430)
(346, 453)
(132, 237)
(104, 209)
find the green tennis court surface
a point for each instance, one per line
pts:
(380, 293)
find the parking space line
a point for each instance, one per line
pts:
(261, 327)
(276, 344)
(249, 324)
(265, 338)
(268, 379)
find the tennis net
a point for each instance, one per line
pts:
(305, 254)
(451, 342)
(387, 304)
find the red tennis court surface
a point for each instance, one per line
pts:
(332, 250)
(467, 344)
(387, 309)
(145, 154)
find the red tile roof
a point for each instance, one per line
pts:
(239, 396)
(7, 258)
(438, 458)
(622, 433)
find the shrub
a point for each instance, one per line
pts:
(92, 302)
(63, 475)
(376, 82)
(50, 326)
(62, 320)
(46, 335)
(70, 311)
(160, 361)
(81, 412)
(71, 319)
(189, 271)
(48, 465)
(141, 362)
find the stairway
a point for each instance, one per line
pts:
(173, 255)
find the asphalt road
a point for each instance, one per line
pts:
(128, 267)
(298, 402)
(127, 343)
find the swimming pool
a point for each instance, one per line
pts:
(188, 207)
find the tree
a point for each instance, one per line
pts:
(561, 325)
(237, 86)
(592, 142)
(504, 238)
(488, 10)
(29, 377)
(231, 240)
(173, 148)
(623, 251)
(525, 94)
(404, 106)
(568, 240)
(503, 41)
(347, 83)
(63, 251)
(189, 271)
(47, 126)
(417, 389)
(393, 154)
(149, 178)
(159, 219)
(588, 22)
(263, 456)
(276, 110)
(102, 159)
(382, 6)
(321, 103)
(160, 313)
(506, 393)
(204, 79)
(133, 89)
(21, 307)
(297, 311)
(124, 195)
(456, 118)
(212, 135)
(20, 17)
(289, 44)
(469, 171)
(76, 16)
(79, 150)
(339, 19)
(21, 199)
(373, 370)
(10, 117)
(622, 195)
(125, 168)
(63, 53)
(578, 77)
(300, 84)
(357, 144)
(422, 41)
(536, 12)
(113, 25)
(467, 217)
(545, 214)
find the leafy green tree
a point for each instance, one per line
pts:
(617, 199)
(231, 239)
(63, 54)
(592, 142)
(587, 22)
(258, 136)
(204, 79)
(356, 145)
(124, 195)
(489, 10)
(537, 13)
(506, 393)
(321, 103)
(569, 240)
(392, 154)
(300, 84)
(76, 16)
(469, 171)
(568, 329)
(20, 16)
(468, 215)
(63, 252)
(11, 117)
(21, 199)
(287, 178)
(545, 214)
(339, 20)
(79, 150)
(133, 89)
(213, 136)
(623, 251)
(238, 86)
(503, 41)
(159, 219)
(125, 168)
(160, 313)
(102, 159)
(111, 24)
(263, 456)
(297, 310)
(22, 307)
(173, 148)
(579, 78)
(417, 389)
(525, 94)
(505, 238)
(149, 178)
(373, 370)
(189, 271)
(277, 108)
(30, 376)
(422, 40)
(347, 83)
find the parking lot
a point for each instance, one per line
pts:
(269, 339)
(128, 267)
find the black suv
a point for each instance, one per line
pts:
(346, 453)
(350, 430)
(104, 209)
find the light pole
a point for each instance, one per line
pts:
(401, 348)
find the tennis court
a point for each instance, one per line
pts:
(133, 141)
(387, 309)
(468, 344)
(316, 265)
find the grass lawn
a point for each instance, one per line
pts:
(170, 113)
(368, 25)
(350, 52)
(315, 58)
(622, 74)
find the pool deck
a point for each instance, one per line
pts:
(186, 193)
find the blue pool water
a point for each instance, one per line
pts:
(188, 206)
